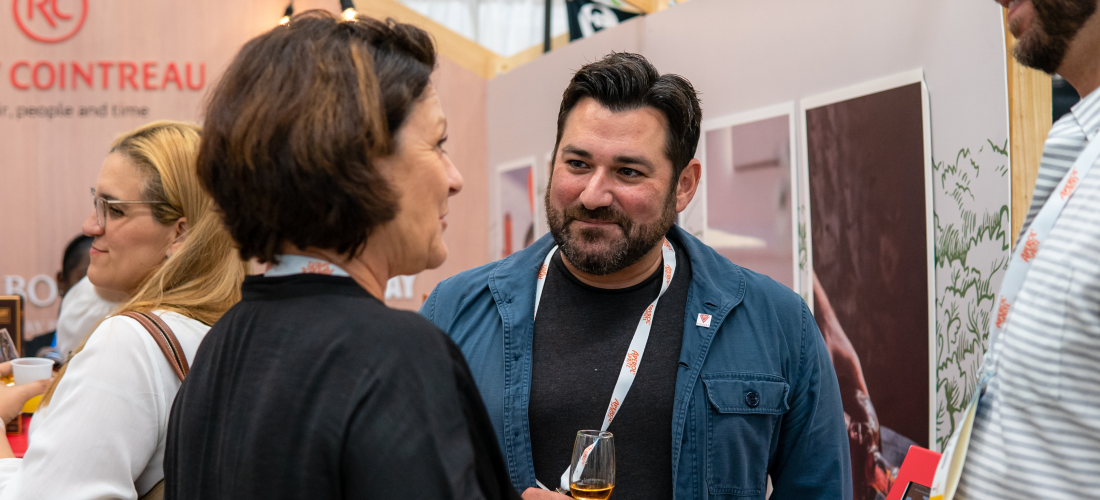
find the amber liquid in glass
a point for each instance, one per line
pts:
(591, 489)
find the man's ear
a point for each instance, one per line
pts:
(179, 230)
(687, 184)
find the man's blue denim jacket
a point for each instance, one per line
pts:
(762, 339)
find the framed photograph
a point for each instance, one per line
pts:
(744, 207)
(513, 207)
(867, 201)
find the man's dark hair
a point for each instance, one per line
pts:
(295, 124)
(622, 81)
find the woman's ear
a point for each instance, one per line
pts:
(179, 231)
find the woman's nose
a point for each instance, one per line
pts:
(91, 226)
(454, 178)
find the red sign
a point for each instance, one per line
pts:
(50, 21)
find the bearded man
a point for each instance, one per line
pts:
(1036, 424)
(728, 377)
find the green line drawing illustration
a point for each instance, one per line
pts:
(972, 253)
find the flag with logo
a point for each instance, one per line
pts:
(586, 17)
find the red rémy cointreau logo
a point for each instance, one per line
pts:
(50, 21)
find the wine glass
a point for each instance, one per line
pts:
(592, 472)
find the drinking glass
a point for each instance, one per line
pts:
(592, 472)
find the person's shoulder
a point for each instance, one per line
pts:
(730, 277)
(750, 289)
(118, 348)
(474, 288)
(117, 331)
(476, 280)
(378, 323)
(761, 286)
(178, 322)
(392, 341)
(467, 282)
(123, 332)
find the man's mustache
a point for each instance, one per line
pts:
(602, 214)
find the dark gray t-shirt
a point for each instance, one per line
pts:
(581, 338)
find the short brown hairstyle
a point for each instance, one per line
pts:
(622, 81)
(295, 124)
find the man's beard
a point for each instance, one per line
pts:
(619, 251)
(1052, 29)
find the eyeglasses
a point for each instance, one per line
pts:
(101, 207)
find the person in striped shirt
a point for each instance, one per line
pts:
(1037, 429)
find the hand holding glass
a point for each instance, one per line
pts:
(592, 472)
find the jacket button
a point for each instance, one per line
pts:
(752, 398)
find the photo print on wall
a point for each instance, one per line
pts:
(747, 190)
(514, 220)
(868, 196)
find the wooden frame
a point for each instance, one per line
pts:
(1029, 122)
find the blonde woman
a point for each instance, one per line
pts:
(101, 431)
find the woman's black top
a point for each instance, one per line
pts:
(312, 388)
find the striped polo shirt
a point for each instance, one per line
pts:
(1037, 430)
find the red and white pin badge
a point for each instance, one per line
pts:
(703, 320)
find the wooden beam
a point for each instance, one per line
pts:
(507, 64)
(648, 6)
(463, 51)
(1029, 121)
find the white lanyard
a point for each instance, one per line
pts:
(1037, 233)
(637, 345)
(300, 264)
(954, 454)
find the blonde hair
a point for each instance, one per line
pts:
(202, 280)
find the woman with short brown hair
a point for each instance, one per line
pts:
(323, 148)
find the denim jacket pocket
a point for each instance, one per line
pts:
(744, 409)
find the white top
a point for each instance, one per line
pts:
(1037, 429)
(81, 310)
(106, 426)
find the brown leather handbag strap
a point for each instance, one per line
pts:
(165, 339)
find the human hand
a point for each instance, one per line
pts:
(5, 369)
(540, 494)
(14, 397)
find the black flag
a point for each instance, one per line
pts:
(586, 17)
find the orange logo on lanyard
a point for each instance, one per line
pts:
(612, 409)
(542, 272)
(632, 361)
(1002, 313)
(1071, 183)
(318, 268)
(648, 316)
(1031, 247)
